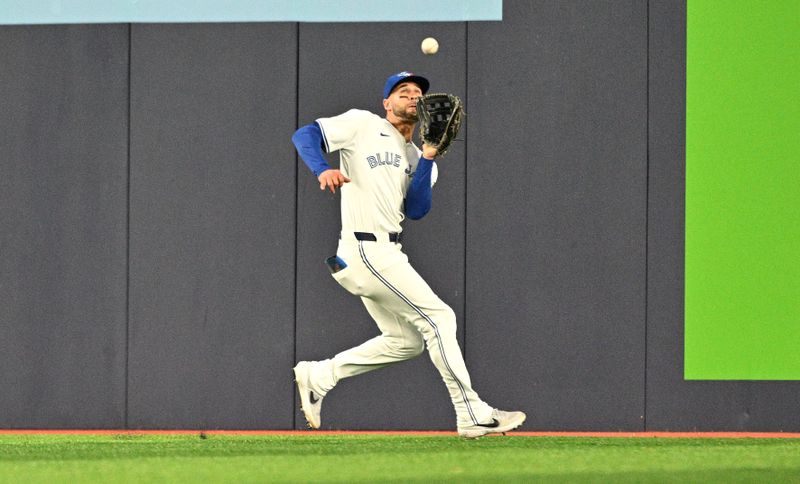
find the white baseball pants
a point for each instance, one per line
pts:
(410, 317)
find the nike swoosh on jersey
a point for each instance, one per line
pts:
(385, 135)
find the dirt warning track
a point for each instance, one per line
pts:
(410, 433)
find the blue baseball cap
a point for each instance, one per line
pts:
(404, 76)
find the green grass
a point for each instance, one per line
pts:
(371, 458)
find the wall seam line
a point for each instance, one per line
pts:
(647, 213)
(296, 211)
(466, 170)
(128, 240)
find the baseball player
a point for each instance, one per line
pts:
(384, 177)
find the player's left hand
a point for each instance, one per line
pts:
(429, 151)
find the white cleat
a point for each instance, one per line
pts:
(310, 402)
(501, 423)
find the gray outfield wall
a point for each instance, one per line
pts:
(161, 248)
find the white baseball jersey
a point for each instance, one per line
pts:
(380, 164)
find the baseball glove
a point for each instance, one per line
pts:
(439, 119)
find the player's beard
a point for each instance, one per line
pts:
(407, 115)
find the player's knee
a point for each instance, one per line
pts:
(437, 322)
(416, 348)
(445, 321)
(406, 348)
(412, 350)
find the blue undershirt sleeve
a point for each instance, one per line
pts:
(309, 143)
(419, 195)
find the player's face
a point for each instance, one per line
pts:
(403, 101)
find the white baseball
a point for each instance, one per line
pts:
(430, 46)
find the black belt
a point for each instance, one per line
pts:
(368, 236)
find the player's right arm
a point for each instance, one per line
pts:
(309, 143)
